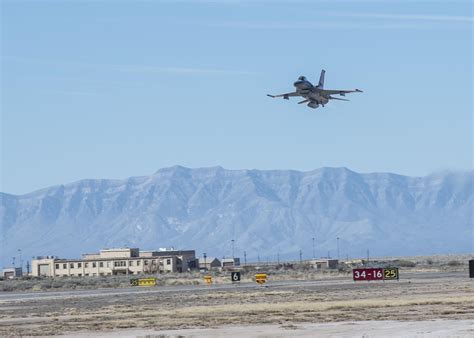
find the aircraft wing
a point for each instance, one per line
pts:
(340, 92)
(285, 96)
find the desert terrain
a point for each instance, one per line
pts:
(428, 292)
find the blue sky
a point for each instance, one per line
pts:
(112, 89)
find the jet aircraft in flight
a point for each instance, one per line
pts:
(315, 95)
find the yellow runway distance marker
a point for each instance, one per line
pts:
(261, 278)
(143, 282)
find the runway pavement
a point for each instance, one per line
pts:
(7, 297)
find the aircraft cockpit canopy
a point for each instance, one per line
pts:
(302, 78)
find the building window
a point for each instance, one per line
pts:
(138, 263)
(71, 265)
(86, 265)
(79, 274)
(64, 266)
(168, 261)
(94, 264)
(130, 263)
(108, 264)
(57, 266)
(79, 265)
(145, 262)
(86, 274)
(101, 264)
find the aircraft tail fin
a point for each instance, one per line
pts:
(321, 79)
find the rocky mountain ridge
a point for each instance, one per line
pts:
(265, 211)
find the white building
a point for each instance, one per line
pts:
(230, 263)
(12, 272)
(121, 261)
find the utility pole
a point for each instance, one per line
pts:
(232, 249)
(314, 252)
(258, 258)
(21, 260)
(337, 247)
(278, 257)
(368, 256)
(27, 268)
(13, 261)
(301, 256)
(329, 256)
(245, 257)
(205, 256)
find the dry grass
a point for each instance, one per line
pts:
(451, 297)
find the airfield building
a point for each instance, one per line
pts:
(120, 261)
(12, 272)
(321, 264)
(230, 263)
(209, 263)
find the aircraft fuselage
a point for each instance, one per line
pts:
(310, 92)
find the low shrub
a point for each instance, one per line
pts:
(405, 263)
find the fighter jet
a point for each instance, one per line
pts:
(315, 95)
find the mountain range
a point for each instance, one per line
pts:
(266, 212)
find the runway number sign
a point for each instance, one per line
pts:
(235, 276)
(375, 274)
(390, 273)
(208, 279)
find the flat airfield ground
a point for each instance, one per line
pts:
(287, 305)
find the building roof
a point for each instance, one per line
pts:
(157, 253)
(231, 260)
(208, 260)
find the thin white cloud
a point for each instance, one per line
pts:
(133, 67)
(406, 17)
(71, 92)
(172, 70)
(319, 25)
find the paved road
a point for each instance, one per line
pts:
(6, 297)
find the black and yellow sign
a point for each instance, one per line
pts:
(390, 273)
(261, 278)
(143, 282)
(208, 279)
